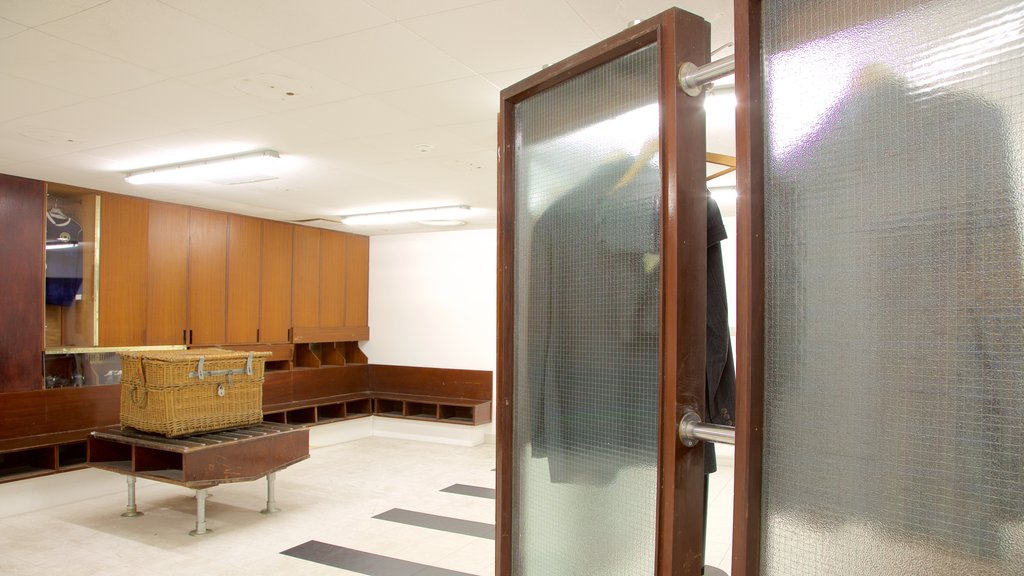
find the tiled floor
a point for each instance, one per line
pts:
(369, 502)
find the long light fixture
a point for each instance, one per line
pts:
(424, 215)
(231, 169)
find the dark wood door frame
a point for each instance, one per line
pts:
(746, 548)
(681, 37)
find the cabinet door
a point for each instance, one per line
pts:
(207, 276)
(167, 274)
(332, 279)
(124, 236)
(243, 289)
(357, 281)
(276, 283)
(306, 278)
(22, 204)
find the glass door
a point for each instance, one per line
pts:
(602, 242)
(893, 373)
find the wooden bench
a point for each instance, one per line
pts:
(200, 461)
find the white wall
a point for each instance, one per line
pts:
(433, 299)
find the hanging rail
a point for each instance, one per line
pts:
(692, 78)
(692, 430)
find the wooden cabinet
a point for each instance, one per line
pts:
(167, 274)
(22, 205)
(171, 274)
(275, 283)
(332, 278)
(357, 282)
(243, 287)
(306, 278)
(207, 277)
(124, 236)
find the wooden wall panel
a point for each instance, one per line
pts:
(306, 277)
(276, 282)
(243, 282)
(22, 204)
(124, 241)
(357, 281)
(56, 411)
(167, 274)
(207, 277)
(332, 278)
(447, 382)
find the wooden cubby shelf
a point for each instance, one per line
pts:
(330, 411)
(41, 460)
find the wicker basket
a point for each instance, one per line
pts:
(182, 392)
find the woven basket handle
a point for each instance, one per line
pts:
(133, 396)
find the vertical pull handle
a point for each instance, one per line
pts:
(184, 336)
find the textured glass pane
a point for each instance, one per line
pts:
(586, 329)
(894, 437)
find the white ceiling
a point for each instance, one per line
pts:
(94, 88)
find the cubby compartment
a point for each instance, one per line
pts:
(159, 463)
(329, 412)
(277, 365)
(422, 410)
(72, 455)
(302, 416)
(460, 414)
(388, 407)
(306, 356)
(361, 407)
(26, 463)
(278, 417)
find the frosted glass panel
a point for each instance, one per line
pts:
(586, 323)
(894, 437)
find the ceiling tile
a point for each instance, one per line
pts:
(34, 13)
(274, 24)
(456, 102)
(187, 106)
(378, 60)
(507, 34)
(154, 36)
(507, 78)
(387, 149)
(298, 131)
(54, 62)
(85, 125)
(608, 17)
(267, 80)
(8, 28)
(22, 97)
(405, 9)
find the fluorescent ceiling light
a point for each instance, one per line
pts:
(403, 216)
(231, 169)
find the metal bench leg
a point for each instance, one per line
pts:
(271, 504)
(132, 510)
(200, 514)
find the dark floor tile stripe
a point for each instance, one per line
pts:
(364, 562)
(435, 522)
(467, 490)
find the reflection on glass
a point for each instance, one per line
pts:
(74, 370)
(586, 332)
(895, 292)
(70, 284)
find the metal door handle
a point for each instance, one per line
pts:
(693, 430)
